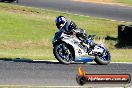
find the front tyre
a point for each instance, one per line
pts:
(103, 58)
(63, 53)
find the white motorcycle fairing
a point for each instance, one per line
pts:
(74, 42)
(68, 48)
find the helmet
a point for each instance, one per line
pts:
(60, 21)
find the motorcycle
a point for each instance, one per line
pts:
(68, 49)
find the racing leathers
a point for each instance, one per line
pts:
(70, 27)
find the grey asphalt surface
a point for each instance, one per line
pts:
(55, 74)
(47, 73)
(120, 13)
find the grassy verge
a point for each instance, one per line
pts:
(118, 2)
(128, 2)
(27, 32)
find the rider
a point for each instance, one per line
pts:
(69, 27)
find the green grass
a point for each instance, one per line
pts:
(128, 2)
(27, 32)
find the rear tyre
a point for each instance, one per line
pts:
(63, 53)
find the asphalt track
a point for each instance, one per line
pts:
(120, 13)
(46, 73)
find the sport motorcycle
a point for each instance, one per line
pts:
(68, 49)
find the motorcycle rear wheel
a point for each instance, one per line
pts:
(63, 53)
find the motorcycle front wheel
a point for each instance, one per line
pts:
(63, 53)
(103, 58)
